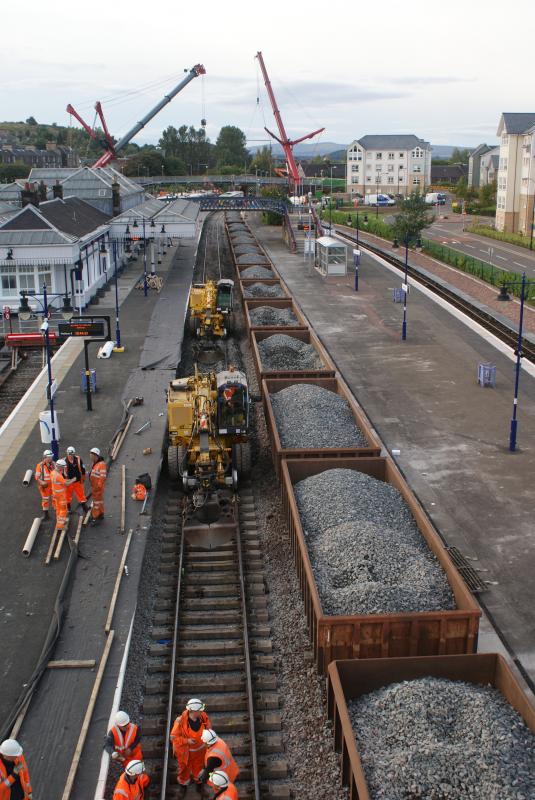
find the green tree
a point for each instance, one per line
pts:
(31, 121)
(459, 156)
(230, 147)
(263, 160)
(174, 166)
(279, 193)
(169, 141)
(146, 162)
(464, 191)
(487, 194)
(414, 216)
(10, 172)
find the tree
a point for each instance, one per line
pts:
(10, 172)
(230, 147)
(278, 193)
(190, 145)
(464, 191)
(169, 141)
(146, 162)
(487, 194)
(174, 166)
(263, 160)
(414, 216)
(459, 156)
(31, 121)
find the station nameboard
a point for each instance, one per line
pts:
(87, 330)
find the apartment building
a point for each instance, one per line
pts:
(516, 173)
(390, 163)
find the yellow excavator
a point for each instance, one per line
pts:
(210, 307)
(208, 421)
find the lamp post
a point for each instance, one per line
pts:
(117, 326)
(331, 204)
(524, 284)
(405, 287)
(378, 183)
(25, 313)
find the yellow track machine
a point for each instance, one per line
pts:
(210, 306)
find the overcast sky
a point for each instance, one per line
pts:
(442, 70)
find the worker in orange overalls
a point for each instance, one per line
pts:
(43, 476)
(97, 479)
(76, 469)
(123, 741)
(217, 756)
(14, 775)
(59, 493)
(188, 746)
(223, 787)
(132, 783)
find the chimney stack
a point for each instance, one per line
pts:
(116, 195)
(57, 190)
(29, 196)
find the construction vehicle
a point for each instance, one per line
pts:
(210, 307)
(208, 419)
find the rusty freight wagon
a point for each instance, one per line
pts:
(338, 386)
(377, 635)
(350, 680)
(325, 368)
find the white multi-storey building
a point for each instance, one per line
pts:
(393, 163)
(516, 173)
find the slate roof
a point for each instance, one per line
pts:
(448, 172)
(516, 123)
(86, 178)
(54, 222)
(73, 216)
(392, 141)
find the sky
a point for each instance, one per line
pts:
(444, 71)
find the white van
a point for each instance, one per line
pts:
(435, 198)
(378, 200)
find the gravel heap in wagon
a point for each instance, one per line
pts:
(263, 290)
(438, 739)
(284, 353)
(310, 416)
(367, 553)
(270, 316)
(256, 272)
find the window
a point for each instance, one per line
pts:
(391, 168)
(9, 281)
(416, 168)
(369, 178)
(354, 167)
(102, 193)
(44, 276)
(355, 179)
(390, 179)
(355, 155)
(505, 139)
(503, 164)
(502, 183)
(378, 156)
(401, 155)
(378, 170)
(416, 181)
(391, 156)
(417, 152)
(400, 167)
(26, 278)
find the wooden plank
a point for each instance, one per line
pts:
(79, 528)
(87, 719)
(52, 544)
(120, 571)
(123, 497)
(86, 518)
(72, 663)
(61, 539)
(120, 440)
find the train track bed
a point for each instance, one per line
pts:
(14, 384)
(293, 739)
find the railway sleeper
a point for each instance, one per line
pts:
(274, 770)
(240, 744)
(246, 792)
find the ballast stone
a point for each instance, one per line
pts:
(263, 290)
(367, 554)
(274, 317)
(311, 416)
(437, 739)
(256, 272)
(281, 352)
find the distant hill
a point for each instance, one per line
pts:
(306, 150)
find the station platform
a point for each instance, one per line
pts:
(422, 397)
(151, 332)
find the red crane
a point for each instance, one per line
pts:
(109, 145)
(286, 144)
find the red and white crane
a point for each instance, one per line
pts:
(286, 143)
(113, 148)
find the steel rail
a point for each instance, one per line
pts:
(176, 625)
(507, 335)
(248, 670)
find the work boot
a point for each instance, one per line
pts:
(181, 790)
(205, 792)
(46, 515)
(85, 507)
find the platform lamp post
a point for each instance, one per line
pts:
(117, 325)
(67, 312)
(524, 284)
(405, 287)
(136, 225)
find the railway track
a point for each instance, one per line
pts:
(211, 638)
(501, 330)
(15, 382)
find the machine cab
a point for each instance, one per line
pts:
(224, 295)
(232, 402)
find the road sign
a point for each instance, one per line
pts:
(86, 330)
(7, 312)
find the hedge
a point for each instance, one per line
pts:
(492, 233)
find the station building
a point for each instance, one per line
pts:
(516, 173)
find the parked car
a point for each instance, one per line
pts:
(378, 200)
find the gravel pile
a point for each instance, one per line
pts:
(281, 352)
(437, 739)
(264, 290)
(309, 416)
(240, 249)
(253, 258)
(387, 566)
(274, 317)
(256, 272)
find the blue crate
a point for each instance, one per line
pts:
(93, 381)
(398, 295)
(486, 375)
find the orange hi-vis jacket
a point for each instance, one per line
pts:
(123, 743)
(59, 490)
(43, 472)
(131, 791)
(221, 750)
(181, 732)
(24, 775)
(230, 793)
(97, 475)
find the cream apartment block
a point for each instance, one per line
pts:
(392, 163)
(516, 173)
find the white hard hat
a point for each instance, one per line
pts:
(135, 768)
(209, 736)
(47, 453)
(61, 462)
(95, 450)
(10, 748)
(219, 779)
(71, 451)
(195, 704)
(122, 718)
